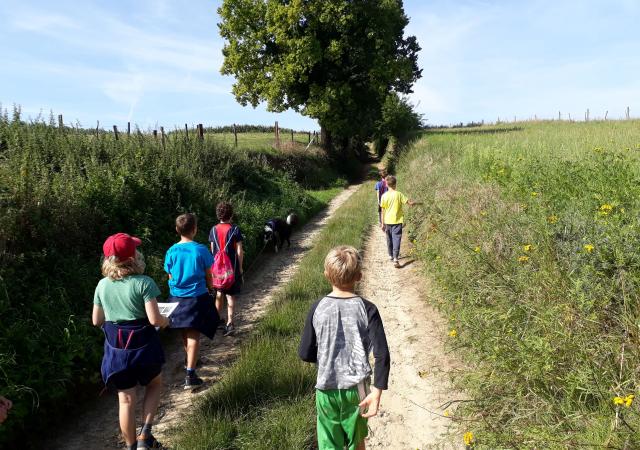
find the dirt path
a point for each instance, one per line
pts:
(97, 428)
(412, 412)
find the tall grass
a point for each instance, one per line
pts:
(61, 193)
(265, 400)
(532, 233)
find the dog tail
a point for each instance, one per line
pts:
(292, 219)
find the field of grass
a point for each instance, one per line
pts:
(265, 400)
(531, 232)
(256, 140)
(62, 192)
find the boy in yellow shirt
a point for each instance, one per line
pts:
(392, 203)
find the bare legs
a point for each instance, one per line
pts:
(230, 304)
(191, 343)
(127, 413)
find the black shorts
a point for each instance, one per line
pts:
(133, 376)
(233, 290)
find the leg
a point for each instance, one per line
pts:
(397, 238)
(193, 346)
(361, 446)
(127, 414)
(184, 340)
(331, 436)
(231, 300)
(389, 240)
(152, 399)
(219, 302)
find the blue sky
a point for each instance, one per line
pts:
(156, 62)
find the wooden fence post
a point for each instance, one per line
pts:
(606, 114)
(200, 131)
(155, 134)
(570, 117)
(60, 122)
(309, 132)
(115, 132)
(627, 113)
(128, 129)
(162, 135)
(235, 135)
(559, 116)
(186, 131)
(98, 128)
(291, 135)
(277, 131)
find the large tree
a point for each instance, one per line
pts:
(333, 60)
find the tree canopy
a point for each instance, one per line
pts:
(333, 60)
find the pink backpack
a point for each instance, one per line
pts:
(222, 270)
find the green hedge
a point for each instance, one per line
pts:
(62, 192)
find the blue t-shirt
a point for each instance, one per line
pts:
(381, 187)
(187, 263)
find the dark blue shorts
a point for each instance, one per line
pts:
(133, 376)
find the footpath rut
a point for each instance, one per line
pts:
(97, 426)
(414, 409)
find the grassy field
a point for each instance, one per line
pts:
(531, 232)
(62, 192)
(254, 140)
(265, 400)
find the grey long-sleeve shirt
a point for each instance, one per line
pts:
(338, 335)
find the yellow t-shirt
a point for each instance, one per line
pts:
(391, 203)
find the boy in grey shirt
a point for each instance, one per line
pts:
(340, 332)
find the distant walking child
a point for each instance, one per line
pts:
(188, 264)
(125, 305)
(392, 204)
(227, 237)
(381, 188)
(340, 332)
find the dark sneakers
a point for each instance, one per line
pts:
(229, 330)
(192, 381)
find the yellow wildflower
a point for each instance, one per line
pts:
(527, 247)
(618, 401)
(552, 219)
(534, 194)
(606, 209)
(477, 249)
(628, 400)
(483, 213)
(447, 413)
(468, 438)
(588, 248)
(523, 259)
(453, 333)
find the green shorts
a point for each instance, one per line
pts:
(340, 424)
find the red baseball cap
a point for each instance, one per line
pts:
(120, 245)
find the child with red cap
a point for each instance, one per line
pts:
(125, 305)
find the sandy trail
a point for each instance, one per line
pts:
(412, 412)
(97, 426)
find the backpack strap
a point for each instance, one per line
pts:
(226, 244)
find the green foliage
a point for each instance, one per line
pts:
(332, 60)
(532, 234)
(398, 120)
(265, 399)
(62, 192)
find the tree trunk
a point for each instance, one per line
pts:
(325, 138)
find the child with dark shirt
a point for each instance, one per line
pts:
(341, 330)
(227, 236)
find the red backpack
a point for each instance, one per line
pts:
(222, 270)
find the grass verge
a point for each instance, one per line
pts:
(265, 399)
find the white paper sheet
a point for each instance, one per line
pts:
(167, 308)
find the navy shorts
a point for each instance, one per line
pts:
(133, 376)
(233, 290)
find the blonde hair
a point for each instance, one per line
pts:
(343, 266)
(115, 269)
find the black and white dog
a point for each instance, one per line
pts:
(277, 231)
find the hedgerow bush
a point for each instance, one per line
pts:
(532, 234)
(62, 192)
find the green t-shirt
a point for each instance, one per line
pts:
(124, 299)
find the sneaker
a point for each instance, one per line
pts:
(192, 381)
(148, 442)
(396, 263)
(222, 324)
(391, 259)
(229, 329)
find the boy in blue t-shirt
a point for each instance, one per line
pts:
(188, 263)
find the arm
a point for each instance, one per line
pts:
(153, 313)
(5, 406)
(97, 317)
(412, 203)
(240, 253)
(382, 359)
(209, 278)
(308, 348)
